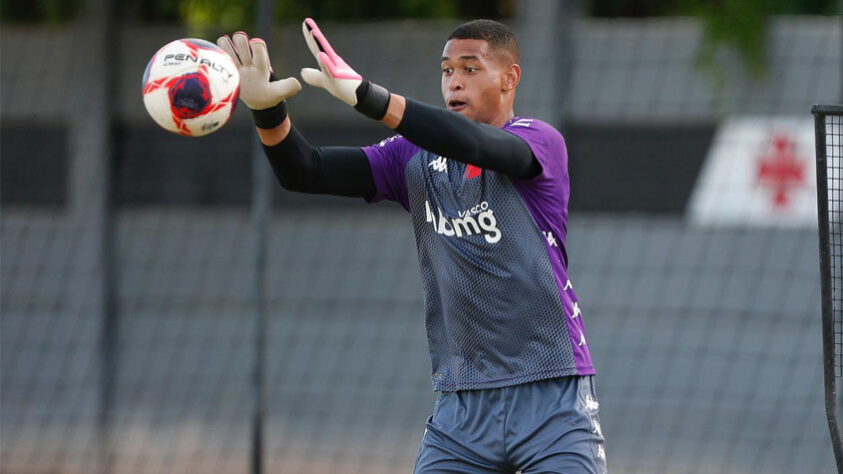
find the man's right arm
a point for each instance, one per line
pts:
(343, 171)
(299, 166)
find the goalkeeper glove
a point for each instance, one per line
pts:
(338, 78)
(262, 93)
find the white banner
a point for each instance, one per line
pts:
(760, 171)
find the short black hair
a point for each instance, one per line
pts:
(498, 35)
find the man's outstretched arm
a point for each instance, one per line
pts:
(437, 130)
(298, 166)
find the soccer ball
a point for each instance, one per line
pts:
(190, 87)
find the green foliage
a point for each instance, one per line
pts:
(356, 10)
(649, 8)
(203, 16)
(740, 24)
(45, 11)
(743, 26)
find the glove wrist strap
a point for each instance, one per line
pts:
(372, 100)
(271, 117)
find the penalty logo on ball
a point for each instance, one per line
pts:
(190, 87)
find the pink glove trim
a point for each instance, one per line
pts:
(338, 68)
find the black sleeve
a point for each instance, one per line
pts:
(456, 137)
(342, 171)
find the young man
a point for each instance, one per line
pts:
(488, 194)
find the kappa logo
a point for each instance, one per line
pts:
(439, 164)
(524, 122)
(551, 240)
(577, 311)
(386, 141)
(582, 340)
(478, 219)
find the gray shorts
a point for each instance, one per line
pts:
(544, 426)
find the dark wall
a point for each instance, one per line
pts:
(33, 163)
(614, 168)
(163, 168)
(632, 168)
(155, 167)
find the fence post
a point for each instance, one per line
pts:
(90, 206)
(261, 202)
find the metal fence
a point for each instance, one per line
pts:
(706, 344)
(706, 339)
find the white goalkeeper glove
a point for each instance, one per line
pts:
(338, 78)
(262, 93)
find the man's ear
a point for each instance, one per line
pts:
(511, 77)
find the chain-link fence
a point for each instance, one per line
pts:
(706, 336)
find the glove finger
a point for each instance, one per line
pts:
(314, 77)
(285, 87)
(320, 40)
(225, 43)
(311, 42)
(241, 46)
(327, 65)
(260, 55)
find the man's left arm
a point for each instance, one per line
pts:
(437, 130)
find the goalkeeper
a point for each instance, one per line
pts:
(488, 194)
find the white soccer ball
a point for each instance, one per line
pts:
(190, 87)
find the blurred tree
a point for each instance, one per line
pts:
(363, 10)
(30, 11)
(647, 8)
(227, 14)
(204, 15)
(740, 24)
(222, 12)
(737, 24)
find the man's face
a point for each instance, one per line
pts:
(473, 79)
